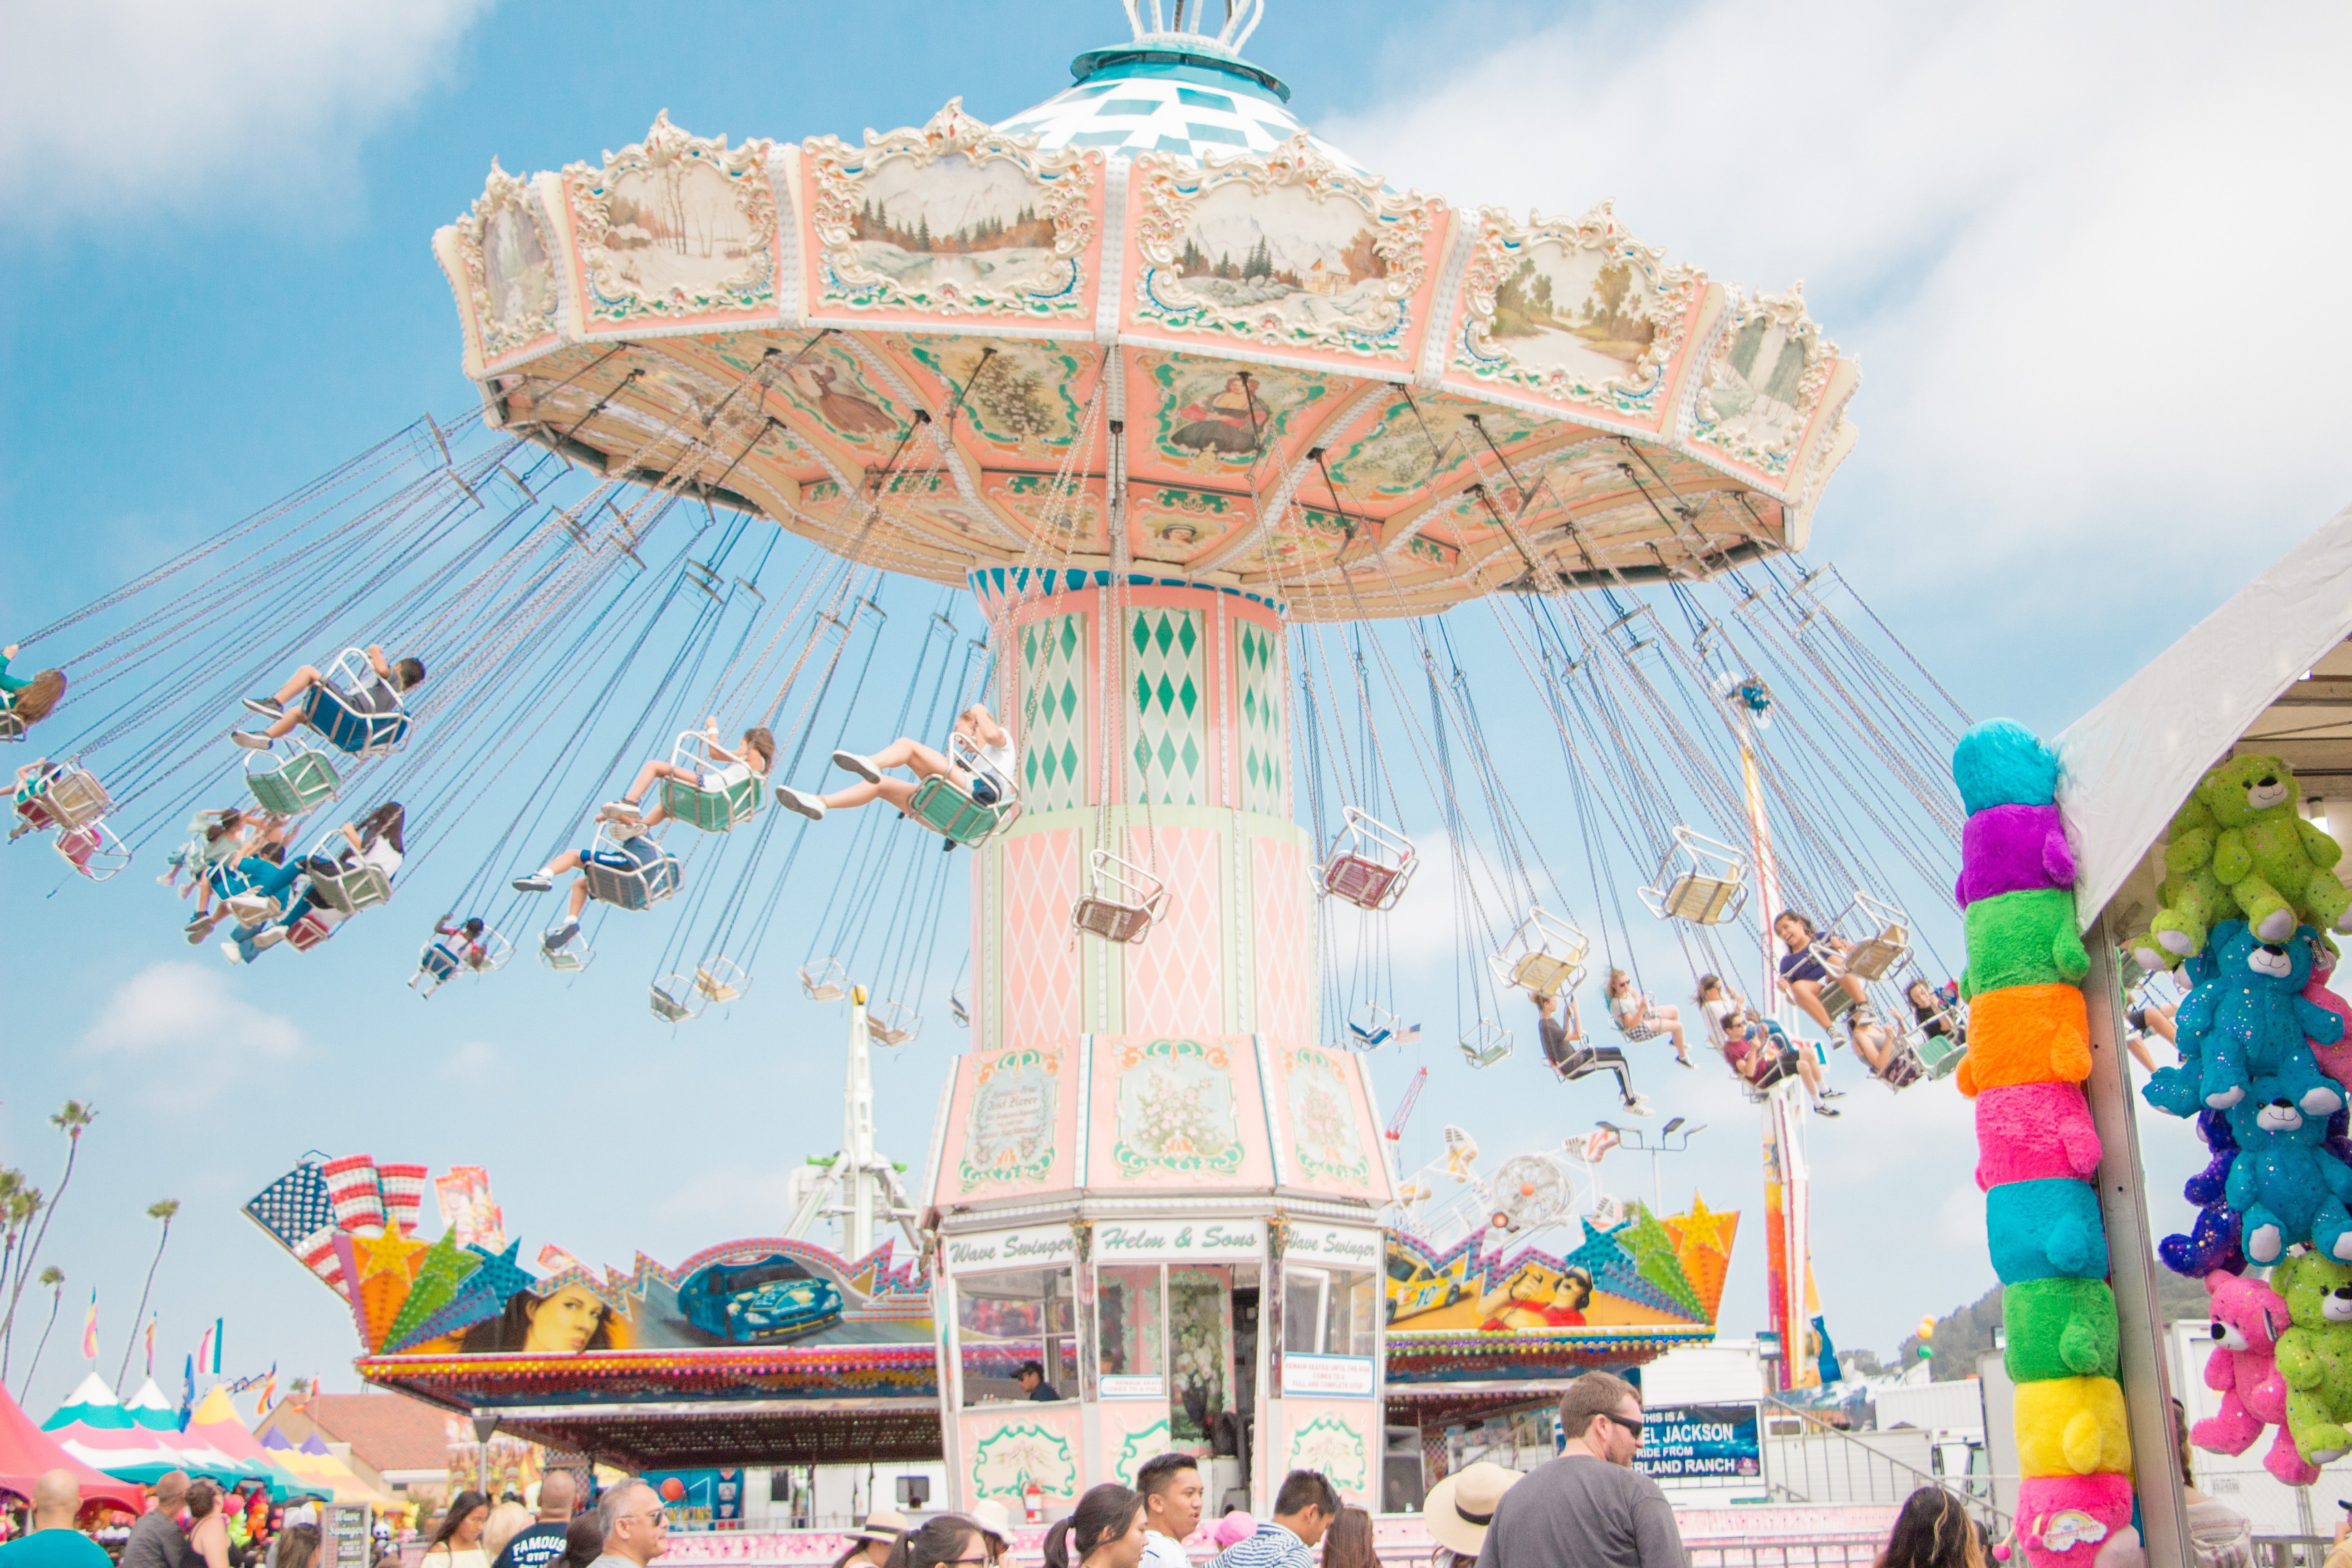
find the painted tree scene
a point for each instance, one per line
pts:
(676, 225)
(1316, 257)
(1756, 387)
(1017, 397)
(952, 222)
(1574, 311)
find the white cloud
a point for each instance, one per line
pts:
(183, 1019)
(2084, 253)
(472, 1062)
(737, 1199)
(107, 102)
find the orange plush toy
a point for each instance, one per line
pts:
(2026, 1033)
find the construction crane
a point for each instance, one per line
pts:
(1404, 1113)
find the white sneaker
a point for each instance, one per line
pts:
(251, 909)
(249, 741)
(537, 882)
(621, 813)
(264, 940)
(230, 951)
(850, 762)
(1638, 1106)
(808, 805)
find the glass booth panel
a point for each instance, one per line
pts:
(1328, 1312)
(1004, 1320)
(1131, 1326)
(1201, 1345)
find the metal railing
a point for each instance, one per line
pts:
(1822, 1463)
(1825, 1551)
(2291, 1551)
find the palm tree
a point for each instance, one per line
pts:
(54, 1279)
(71, 1120)
(163, 1211)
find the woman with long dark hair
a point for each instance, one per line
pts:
(1934, 1531)
(564, 1321)
(1106, 1531)
(948, 1540)
(458, 1539)
(870, 1546)
(1349, 1542)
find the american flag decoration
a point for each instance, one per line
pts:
(352, 1187)
(297, 1210)
(403, 1194)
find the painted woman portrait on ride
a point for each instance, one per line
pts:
(565, 1322)
(1233, 422)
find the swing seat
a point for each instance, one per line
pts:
(290, 784)
(1543, 956)
(1877, 937)
(651, 874)
(253, 909)
(942, 805)
(721, 979)
(1940, 1054)
(307, 933)
(673, 999)
(327, 708)
(1124, 903)
(960, 1011)
(1485, 1044)
(12, 727)
(892, 1023)
(571, 958)
(825, 982)
(1904, 1068)
(1371, 864)
(1700, 882)
(435, 967)
(711, 810)
(92, 850)
(357, 887)
(73, 798)
(1370, 1027)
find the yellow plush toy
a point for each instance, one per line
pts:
(2071, 1426)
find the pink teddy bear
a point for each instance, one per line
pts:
(2071, 1522)
(2334, 1060)
(2247, 1318)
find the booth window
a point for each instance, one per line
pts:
(1328, 1312)
(1005, 1319)
(1130, 1322)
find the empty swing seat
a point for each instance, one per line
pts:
(1371, 864)
(1124, 903)
(826, 981)
(1700, 882)
(93, 850)
(673, 999)
(960, 1011)
(290, 784)
(633, 873)
(892, 1023)
(711, 810)
(1543, 956)
(1877, 938)
(571, 958)
(1487, 1043)
(721, 979)
(1370, 1027)
(331, 709)
(73, 798)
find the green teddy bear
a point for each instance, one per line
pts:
(2195, 900)
(2023, 938)
(2315, 1356)
(2276, 866)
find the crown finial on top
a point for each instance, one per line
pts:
(1154, 22)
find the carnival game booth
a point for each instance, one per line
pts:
(2196, 802)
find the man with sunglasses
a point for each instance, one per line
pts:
(1590, 1507)
(635, 1525)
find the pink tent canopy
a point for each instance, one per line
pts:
(26, 1453)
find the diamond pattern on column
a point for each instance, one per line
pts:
(1053, 728)
(1041, 961)
(1258, 717)
(1169, 722)
(1284, 952)
(1175, 981)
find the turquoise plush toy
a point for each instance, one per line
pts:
(2040, 1229)
(2315, 1356)
(2180, 1091)
(2262, 1026)
(2002, 762)
(2284, 1185)
(2023, 938)
(2059, 1327)
(2275, 865)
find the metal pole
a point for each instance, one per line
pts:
(2132, 1261)
(485, 1428)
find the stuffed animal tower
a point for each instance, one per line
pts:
(2264, 1069)
(2029, 1053)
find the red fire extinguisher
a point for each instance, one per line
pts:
(1033, 1503)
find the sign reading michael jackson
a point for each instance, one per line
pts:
(1698, 1442)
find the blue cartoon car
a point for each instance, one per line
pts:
(765, 1301)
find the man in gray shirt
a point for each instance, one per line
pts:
(1590, 1507)
(156, 1541)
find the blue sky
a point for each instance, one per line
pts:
(2083, 269)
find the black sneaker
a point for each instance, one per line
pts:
(1820, 1109)
(267, 707)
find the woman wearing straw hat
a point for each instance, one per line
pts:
(870, 1546)
(1459, 1509)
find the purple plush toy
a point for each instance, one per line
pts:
(2010, 849)
(2211, 1243)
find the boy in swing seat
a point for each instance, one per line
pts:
(1572, 1059)
(380, 693)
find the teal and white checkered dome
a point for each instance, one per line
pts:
(1187, 93)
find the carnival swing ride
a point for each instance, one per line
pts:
(1151, 425)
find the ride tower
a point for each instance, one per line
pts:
(1159, 375)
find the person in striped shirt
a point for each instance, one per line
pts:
(1303, 1510)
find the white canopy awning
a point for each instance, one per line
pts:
(2238, 676)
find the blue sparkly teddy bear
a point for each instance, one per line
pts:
(2180, 1091)
(2284, 1184)
(2262, 1026)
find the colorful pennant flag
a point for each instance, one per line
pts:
(213, 1339)
(269, 1396)
(89, 1328)
(150, 1344)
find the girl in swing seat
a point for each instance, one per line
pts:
(1802, 975)
(1639, 1018)
(758, 755)
(976, 724)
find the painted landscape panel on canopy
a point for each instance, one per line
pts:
(1177, 1112)
(1215, 419)
(829, 399)
(1294, 254)
(1422, 443)
(1577, 315)
(1018, 400)
(951, 220)
(501, 267)
(1773, 385)
(676, 230)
